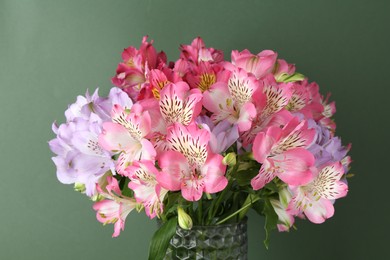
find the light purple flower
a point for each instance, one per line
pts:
(80, 159)
(222, 135)
(326, 148)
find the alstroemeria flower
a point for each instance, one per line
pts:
(79, 156)
(189, 166)
(232, 101)
(146, 188)
(202, 77)
(131, 73)
(197, 52)
(115, 207)
(270, 101)
(316, 198)
(259, 65)
(282, 153)
(126, 134)
(179, 104)
(222, 135)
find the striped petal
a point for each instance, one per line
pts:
(190, 141)
(277, 97)
(298, 137)
(176, 105)
(241, 87)
(265, 176)
(327, 184)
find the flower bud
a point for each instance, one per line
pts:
(285, 197)
(230, 159)
(80, 187)
(185, 221)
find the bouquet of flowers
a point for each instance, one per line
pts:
(202, 140)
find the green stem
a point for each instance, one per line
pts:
(238, 211)
(200, 213)
(215, 204)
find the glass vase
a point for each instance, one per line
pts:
(226, 241)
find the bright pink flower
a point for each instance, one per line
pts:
(316, 198)
(146, 188)
(197, 52)
(115, 207)
(189, 166)
(259, 65)
(202, 77)
(126, 134)
(282, 153)
(232, 101)
(145, 56)
(131, 74)
(130, 80)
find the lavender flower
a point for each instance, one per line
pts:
(79, 158)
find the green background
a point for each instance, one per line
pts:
(52, 51)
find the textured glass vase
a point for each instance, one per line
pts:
(226, 241)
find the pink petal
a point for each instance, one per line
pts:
(214, 172)
(115, 137)
(264, 142)
(247, 113)
(173, 164)
(265, 176)
(192, 189)
(318, 211)
(294, 166)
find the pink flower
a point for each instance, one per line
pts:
(270, 101)
(115, 207)
(131, 73)
(259, 65)
(197, 52)
(180, 104)
(189, 166)
(316, 198)
(282, 153)
(146, 188)
(126, 134)
(202, 77)
(232, 101)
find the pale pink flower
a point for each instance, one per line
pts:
(282, 153)
(115, 207)
(126, 134)
(147, 190)
(316, 198)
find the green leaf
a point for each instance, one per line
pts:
(250, 200)
(272, 186)
(160, 241)
(244, 177)
(271, 220)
